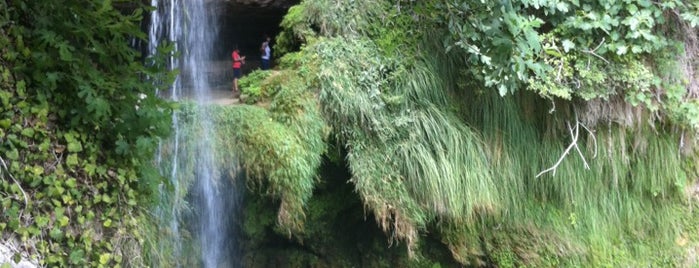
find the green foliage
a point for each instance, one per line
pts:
(411, 160)
(353, 18)
(428, 142)
(337, 233)
(500, 41)
(585, 49)
(279, 145)
(251, 86)
(296, 31)
(77, 139)
(628, 202)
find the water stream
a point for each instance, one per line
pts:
(198, 204)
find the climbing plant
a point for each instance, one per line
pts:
(80, 123)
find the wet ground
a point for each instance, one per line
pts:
(220, 77)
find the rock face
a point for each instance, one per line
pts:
(6, 257)
(244, 23)
(264, 3)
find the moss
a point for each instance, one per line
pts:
(337, 233)
(258, 218)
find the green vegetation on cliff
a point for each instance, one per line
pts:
(515, 133)
(79, 124)
(528, 133)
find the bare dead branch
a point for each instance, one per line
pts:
(593, 52)
(575, 133)
(4, 165)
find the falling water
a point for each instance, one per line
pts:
(205, 208)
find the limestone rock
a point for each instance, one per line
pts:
(6, 257)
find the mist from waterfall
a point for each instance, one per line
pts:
(199, 201)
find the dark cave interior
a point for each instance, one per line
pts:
(246, 26)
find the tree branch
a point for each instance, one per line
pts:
(575, 133)
(592, 52)
(4, 165)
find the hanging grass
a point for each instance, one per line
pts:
(412, 160)
(625, 210)
(280, 147)
(428, 148)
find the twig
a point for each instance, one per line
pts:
(573, 143)
(593, 138)
(592, 52)
(600, 44)
(577, 130)
(679, 150)
(553, 106)
(4, 165)
(558, 75)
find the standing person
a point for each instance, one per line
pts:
(238, 61)
(266, 53)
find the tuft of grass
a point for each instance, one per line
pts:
(626, 210)
(412, 158)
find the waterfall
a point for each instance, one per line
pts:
(198, 203)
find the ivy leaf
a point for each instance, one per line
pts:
(122, 147)
(77, 256)
(74, 146)
(636, 49)
(28, 132)
(37, 170)
(104, 258)
(632, 9)
(502, 89)
(645, 3)
(72, 160)
(41, 221)
(621, 50)
(63, 221)
(106, 199)
(568, 45)
(562, 7)
(5, 123)
(64, 52)
(632, 22)
(13, 154)
(71, 183)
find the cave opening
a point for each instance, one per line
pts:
(245, 23)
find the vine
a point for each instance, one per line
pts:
(75, 138)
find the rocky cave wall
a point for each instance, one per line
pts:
(245, 23)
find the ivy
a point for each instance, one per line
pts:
(72, 91)
(508, 46)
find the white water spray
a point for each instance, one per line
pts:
(209, 216)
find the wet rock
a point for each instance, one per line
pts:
(8, 256)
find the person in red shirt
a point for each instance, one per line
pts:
(238, 61)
